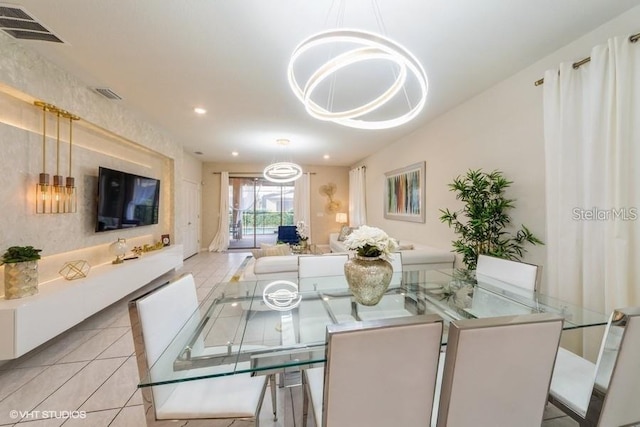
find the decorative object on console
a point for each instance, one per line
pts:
(118, 249)
(20, 271)
(282, 171)
(486, 213)
(404, 193)
(75, 269)
(349, 49)
(370, 272)
(329, 190)
(166, 240)
(139, 250)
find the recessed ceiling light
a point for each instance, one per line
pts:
(234, 153)
(199, 110)
(326, 156)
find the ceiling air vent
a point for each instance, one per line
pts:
(107, 93)
(16, 22)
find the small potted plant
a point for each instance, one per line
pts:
(20, 271)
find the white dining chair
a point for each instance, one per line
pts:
(522, 277)
(377, 374)
(392, 304)
(605, 393)
(156, 318)
(321, 273)
(497, 371)
(321, 265)
(395, 259)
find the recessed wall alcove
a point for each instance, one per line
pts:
(71, 236)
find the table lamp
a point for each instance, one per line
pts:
(341, 218)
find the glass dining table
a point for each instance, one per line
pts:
(279, 326)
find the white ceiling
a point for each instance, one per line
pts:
(166, 57)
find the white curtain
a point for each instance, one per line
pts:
(357, 199)
(592, 145)
(221, 240)
(302, 201)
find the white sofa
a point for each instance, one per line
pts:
(271, 268)
(421, 257)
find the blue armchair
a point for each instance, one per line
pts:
(288, 234)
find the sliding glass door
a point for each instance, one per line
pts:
(257, 208)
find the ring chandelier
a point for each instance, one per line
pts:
(370, 46)
(281, 172)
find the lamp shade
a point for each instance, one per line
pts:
(341, 217)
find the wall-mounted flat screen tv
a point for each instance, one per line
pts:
(126, 200)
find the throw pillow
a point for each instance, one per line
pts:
(344, 232)
(278, 250)
(405, 247)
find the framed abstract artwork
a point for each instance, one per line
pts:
(404, 193)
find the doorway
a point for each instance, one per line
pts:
(257, 208)
(191, 225)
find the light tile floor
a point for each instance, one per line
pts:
(87, 376)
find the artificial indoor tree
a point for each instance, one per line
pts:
(481, 223)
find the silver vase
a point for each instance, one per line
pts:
(20, 279)
(368, 278)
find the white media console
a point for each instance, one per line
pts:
(28, 322)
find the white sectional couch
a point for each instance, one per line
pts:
(271, 268)
(421, 257)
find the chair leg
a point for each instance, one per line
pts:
(272, 385)
(305, 400)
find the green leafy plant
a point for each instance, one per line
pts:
(20, 254)
(481, 223)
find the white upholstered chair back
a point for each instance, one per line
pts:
(605, 393)
(521, 275)
(381, 373)
(621, 404)
(319, 273)
(396, 262)
(497, 371)
(156, 319)
(162, 314)
(321, 265)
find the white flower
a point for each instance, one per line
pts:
(371, 241)
(302, 230)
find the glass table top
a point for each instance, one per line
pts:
(262, 327)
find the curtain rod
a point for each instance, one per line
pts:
(634, 38)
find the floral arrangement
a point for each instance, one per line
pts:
(303, 230)
(371, 242)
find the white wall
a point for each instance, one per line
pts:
(191, 169)
(502, 128)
